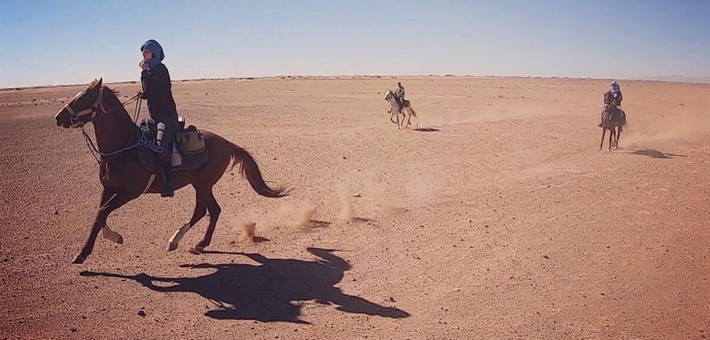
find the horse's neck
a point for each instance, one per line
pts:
(113, 129)
(393, 103)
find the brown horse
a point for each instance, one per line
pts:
(124, 179)
(395, 110)
(614, 120)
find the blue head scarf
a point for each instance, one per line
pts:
(157, 51)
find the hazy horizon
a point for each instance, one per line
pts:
(673, 79)
(61, 42)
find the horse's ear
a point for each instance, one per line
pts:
(98, 83)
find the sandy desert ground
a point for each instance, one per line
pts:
(501, 220)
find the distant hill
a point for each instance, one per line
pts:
(680, 79)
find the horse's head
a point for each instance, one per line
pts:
(388, 95)
(82, 108)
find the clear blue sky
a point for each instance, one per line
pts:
(74, 41)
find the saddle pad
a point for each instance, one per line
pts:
(190, 141)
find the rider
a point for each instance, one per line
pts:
(399, 94)
(156, 89)
(612, 97)
(615, 93)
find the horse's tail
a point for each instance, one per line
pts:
(412, 111)
(250, 170)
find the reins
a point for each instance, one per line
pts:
(98, 105)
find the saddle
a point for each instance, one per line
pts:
(189, 150)
(402, 104)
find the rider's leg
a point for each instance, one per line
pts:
(166, 158)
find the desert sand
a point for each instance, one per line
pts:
(500, 219)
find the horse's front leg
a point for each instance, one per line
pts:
(110, 202)
(111, 235)
(611, 137)
(603, 133)
(618, 135)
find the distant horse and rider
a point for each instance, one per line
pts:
(613, 118)
(400, 106)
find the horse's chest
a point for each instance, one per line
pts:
(112, 175)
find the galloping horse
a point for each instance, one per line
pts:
(395, 110)
(124, 179)
(614, 120)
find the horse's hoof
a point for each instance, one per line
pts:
(197, 250)
(78, 259)
(112, 236)
(172, 246)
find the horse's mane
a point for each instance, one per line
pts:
(93, 83)
(115, 92)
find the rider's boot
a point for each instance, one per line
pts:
(167, 171)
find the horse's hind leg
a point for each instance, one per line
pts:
(214, 210)
(409, 117)
(197, 215)
(413, 113)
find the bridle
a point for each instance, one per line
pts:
(96, 108)
(91, 110)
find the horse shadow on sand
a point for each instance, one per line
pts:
(426, 129)
(273, 290)
(655, 154)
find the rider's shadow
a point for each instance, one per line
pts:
(273, 290)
